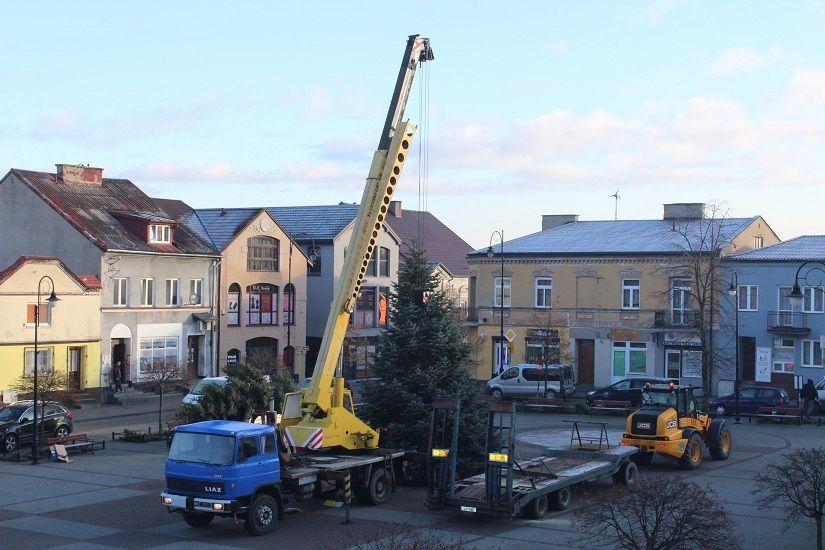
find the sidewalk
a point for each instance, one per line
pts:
(170, 402)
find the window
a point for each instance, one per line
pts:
(45, 314)
(673, 363)
(780, 366)
(630, 294)
(289, 304)
(783, 343)
(544, 292)
(233, 303)
(121, 286)
(747, 296)
(44, 360)
(172, 292)
(364, 314)
(269, 444)
(247, 448)
(147, 292)
(623, 385)
(784, 302)
(383, 262)
(263, 304)
(499, 289)
(812, 302)
(510, 373)
(314, 267)
(629, 358)
(159, 234)
(383, 305)
(262, 254)
(542, 351)
(154, 351)
(811, 353)
(758, 242)
(680, 302)
(196, 292)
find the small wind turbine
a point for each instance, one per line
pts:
(616, 198)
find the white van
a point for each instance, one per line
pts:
(526, 380)
(197, 391)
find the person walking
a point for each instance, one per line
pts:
(116, 374)
(809, 398)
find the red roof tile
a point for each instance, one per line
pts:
(441, 244)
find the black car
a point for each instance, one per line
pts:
(17, 423)
(628, 389)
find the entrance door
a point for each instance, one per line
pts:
(193, 357)
(119, 360)
(500, 352)
(747, 358)
(585, 357)
(673, 364)
(74, 369)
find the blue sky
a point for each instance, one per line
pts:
(535, 108)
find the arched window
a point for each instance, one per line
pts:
(233, 305)
(262, 254)
(263, 304)
(289, 359)
(289, 304)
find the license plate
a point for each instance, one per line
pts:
(468, 509)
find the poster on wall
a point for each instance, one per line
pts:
(763, 364)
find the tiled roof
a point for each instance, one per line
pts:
(89, 209)
(441, 244)
(176, 209)
(89, 282)
(302, 223)
(806, 247)
(620, 237)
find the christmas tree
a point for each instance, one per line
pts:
(422, 356)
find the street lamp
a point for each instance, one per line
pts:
(490, 255)
(733, 290)
(52, 299)
(796, 298)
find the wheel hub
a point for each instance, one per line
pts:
(263, 515)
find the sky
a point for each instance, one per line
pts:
(531, 107)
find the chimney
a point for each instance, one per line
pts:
(550, 221)
(395, 208)
(77, 173)
(684, 211)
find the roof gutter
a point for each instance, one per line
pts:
(148, 253)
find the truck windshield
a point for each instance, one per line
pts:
(659, 398)
(216, 450)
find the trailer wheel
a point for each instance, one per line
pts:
(198, 520)
(642, 459)
(536, 508)
(378, 489)
(262, 515)
(627, 474)
(560, 500)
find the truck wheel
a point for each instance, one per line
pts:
(692, 458)
(198, 520)
(263, 513)
(719, 440)
(627, 474)
(643, 459)
(560, 500)
(379, 487)
(536, 508)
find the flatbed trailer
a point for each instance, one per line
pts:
(509, 487)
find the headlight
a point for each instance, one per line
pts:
(167, 500)
(217, 506)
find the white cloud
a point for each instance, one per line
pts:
(657, 9)
(743, 60)
(807, 89)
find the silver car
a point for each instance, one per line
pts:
(526, 380)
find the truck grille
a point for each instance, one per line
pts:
(644, 423)
(195, 487)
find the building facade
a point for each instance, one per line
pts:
(611, 298)
(68, 332)
(777, 340)
(157, 276)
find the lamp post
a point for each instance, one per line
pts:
(733, 290)
(52, 299)
(490, 255)
(796, 298)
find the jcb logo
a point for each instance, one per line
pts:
(671, 424)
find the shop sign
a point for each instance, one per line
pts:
(262, 287)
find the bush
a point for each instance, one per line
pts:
(245, 393)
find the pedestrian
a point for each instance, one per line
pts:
(809, 397)
(116, 378)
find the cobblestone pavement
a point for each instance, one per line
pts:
(110, 500)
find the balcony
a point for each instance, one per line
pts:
(683, 319)
(788, 322)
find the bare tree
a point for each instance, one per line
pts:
(49, 384)
(546, 343)
(163, 374)
(408, 537)
(656, 514)
(697, 282)
(797, 484)
(265, 360)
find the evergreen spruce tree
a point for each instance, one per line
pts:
(422, 356)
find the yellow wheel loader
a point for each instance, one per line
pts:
(672, 422)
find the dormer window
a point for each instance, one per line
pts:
(160, 234)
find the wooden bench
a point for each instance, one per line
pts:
(778, 413)
(610, 405)
(80, 442)
(543, 403)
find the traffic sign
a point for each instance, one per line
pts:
(510, 335)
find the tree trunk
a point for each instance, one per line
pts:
(818, 519)
(160, 411)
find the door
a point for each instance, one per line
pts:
(74, 369)
(50, 417)
(747, 358)
(620, 391)
(500, 352)
(193, 356)
(585, 358)
(619, 361)
(510, 381)
(26, 429)
(673, 364)
(119, 359)
(252, 468)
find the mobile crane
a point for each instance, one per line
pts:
(322, 415)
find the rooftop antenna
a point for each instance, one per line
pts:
(615, 196)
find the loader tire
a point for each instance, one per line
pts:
(692, 458)
(719, 439)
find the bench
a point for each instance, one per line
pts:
(543, 403)
(80, 442)
(610, 405)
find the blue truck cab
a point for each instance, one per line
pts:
(225, 468)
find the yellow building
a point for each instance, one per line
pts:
(607, 297)
(68, 333)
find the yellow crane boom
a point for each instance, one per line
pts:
(322, 415)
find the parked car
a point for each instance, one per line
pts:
(527, 380)
(627, 389)
(750, 399)
(17, 423)
(195, 394)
